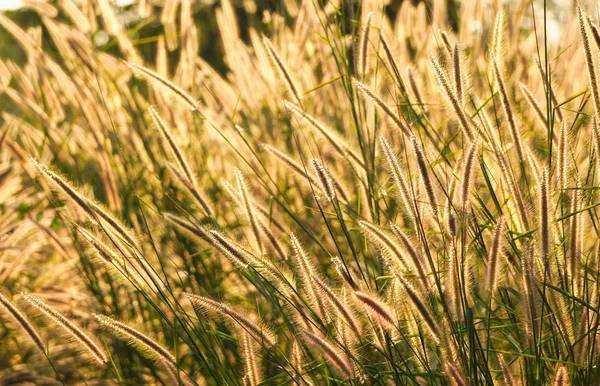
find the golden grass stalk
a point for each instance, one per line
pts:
(136, 338)
(544, 212)
(490, 131)
(562, 377)
(26, 41)
(172, 370)
(542, 73)
(515, 191)
(79, 199)
(334, 355)
(342, 148)
(414, 87)
(534, 164)
(421, 308)
(71, 10)
(410, 74)
(96, 352)
(326, 182)
(583, 340)
(113, 27)
(594, 30)
(235, 194)
(497, 35)
(282, 70)
(463, 119)
(399, 179)
(424, 171)
(41, 8)
(530, 293)
(257, 331)
(145, 344)
(237, 255)
(421, 264)
(450, 221)
(297, 360)
(190, 228)
(383, 240)
(506, 106)
(455, 375)
(561, 316)
(272, 239)
(494, 261)
(252, 374)
(395, 72)
(366, 92)
(343, 273)
(468, 173)
(452, 286)
(445, 41)
(249, 210)
(534, 105)
(378, 308)
(459, 83)
(189, 180)
(292, 164)
(507, 376)
(466, 271)
(164, 83)
(262, 219)
(112, 260)
(363, 54)
(589, 60)
(299, 169)
(563, 158)
(194, 191)
(306, 272)
(449, 209)
(23, 322)
(574, 248)
(596, 134)
(342, 309)
(93, 210)
(167, 17)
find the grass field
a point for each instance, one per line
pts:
(305, 192)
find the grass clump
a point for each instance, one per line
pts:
(332, 207)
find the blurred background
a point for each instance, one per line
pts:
(142, 20)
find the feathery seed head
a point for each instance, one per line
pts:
(377, 308)
(562, 376)
(463, 119)
(343, 273)
(424, 171)
(369, 94)
(362, 54)
(494, 255)
(282, 70)
(249, 209)
(333, 354)
(468, 171)
(164, 83)
(325, 180)
(421, 308)
(589, 60)
(259, 332)
(136, 338)
(96, 352)
(23, 322)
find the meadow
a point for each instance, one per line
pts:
(300, 193)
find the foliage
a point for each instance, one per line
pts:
(351, 194)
